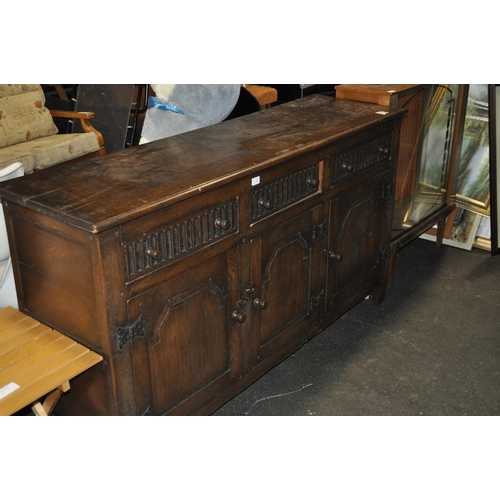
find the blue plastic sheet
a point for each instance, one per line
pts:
(154, 102)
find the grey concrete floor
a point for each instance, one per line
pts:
(432, 347)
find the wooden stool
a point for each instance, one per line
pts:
(36, 361)
(264, 95)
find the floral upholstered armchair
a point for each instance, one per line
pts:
(28, 133)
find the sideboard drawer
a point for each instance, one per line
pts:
(175, 240)
(284, 191)
(360, 158)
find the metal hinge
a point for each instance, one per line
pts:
(128, 333)
(320, 230)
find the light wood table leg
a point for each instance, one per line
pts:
(45, 409)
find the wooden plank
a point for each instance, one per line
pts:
(36, 361)
(18, 340)
(14, 324)
(7, 311)
(46, 367)
(26, 344)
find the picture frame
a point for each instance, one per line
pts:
(494, 114)
(462, 232)
(472, 181)
(483, 236)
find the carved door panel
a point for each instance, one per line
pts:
(191, 350)
(288, 278)
(358, 228)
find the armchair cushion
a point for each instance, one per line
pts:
(23, 115)
(47, 151)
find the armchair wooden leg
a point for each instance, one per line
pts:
(45, 409)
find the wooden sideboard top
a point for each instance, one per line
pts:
(103, 192)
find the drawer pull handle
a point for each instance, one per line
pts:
(312, 181)
(348, 168)
(334, 256)
(223, 224)
(239, 317)
(265, 204)
(384, 151)
(154, 253)
(261, 304)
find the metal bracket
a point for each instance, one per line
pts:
(318, 301)
(388, 191)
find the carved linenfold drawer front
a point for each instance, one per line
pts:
(180, 238)
(278, 194)
(360, 158)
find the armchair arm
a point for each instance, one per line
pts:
(58, 113)
(84, 117)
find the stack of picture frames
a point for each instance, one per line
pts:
(475, 220)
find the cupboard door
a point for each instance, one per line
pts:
(191, 349)
(359, 232)
(286, 271)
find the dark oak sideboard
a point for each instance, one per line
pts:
(196, 263)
